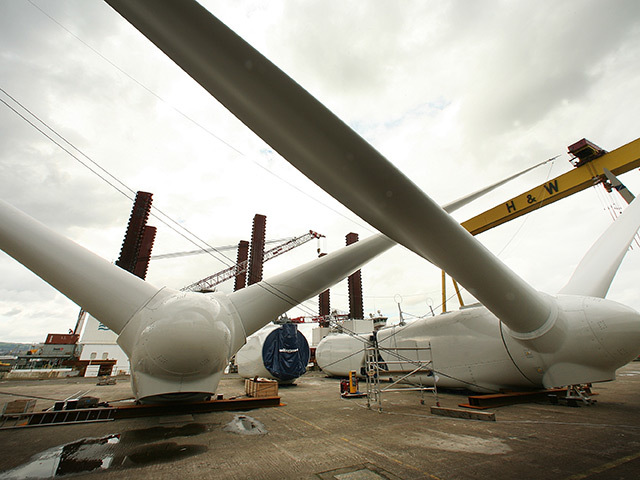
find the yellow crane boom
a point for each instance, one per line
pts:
(585, 174)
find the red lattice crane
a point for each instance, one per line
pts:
(211, 281)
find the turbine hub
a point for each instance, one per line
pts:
(185, 338)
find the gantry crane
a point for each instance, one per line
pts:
(590, 162)
(593, 165)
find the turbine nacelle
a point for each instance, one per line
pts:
(585, 341)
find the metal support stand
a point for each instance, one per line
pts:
(579, 393)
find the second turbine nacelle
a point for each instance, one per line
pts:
(585, 341)
(180, 343)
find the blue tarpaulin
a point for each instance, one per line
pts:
(285, 352)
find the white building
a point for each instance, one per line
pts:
(99, 343)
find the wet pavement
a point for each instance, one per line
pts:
(317, 434)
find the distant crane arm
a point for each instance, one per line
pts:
(211, 281)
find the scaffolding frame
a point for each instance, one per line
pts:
(373, 370)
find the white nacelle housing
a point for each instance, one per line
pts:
(585, 341)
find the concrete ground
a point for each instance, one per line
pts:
(317, 434)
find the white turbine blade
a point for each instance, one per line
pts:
(467, 199)
(461, 202)
(595, 272)
(109, 293)
(262, 302)
(327, 151)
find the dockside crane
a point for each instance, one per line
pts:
(591, 163)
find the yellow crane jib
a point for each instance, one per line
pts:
(590, 162)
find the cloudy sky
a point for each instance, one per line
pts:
(457, 94)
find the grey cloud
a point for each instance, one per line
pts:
(12, 312)
(530, 63)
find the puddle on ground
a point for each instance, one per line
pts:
(44, 466)
(162, 453)
(146, 435)
(84, 455)
(130, 449)
(244, 425)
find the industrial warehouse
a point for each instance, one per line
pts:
(269, 365)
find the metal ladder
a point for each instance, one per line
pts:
(372, 373)
(57, 417)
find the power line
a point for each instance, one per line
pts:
(272, 289)
(104, 178)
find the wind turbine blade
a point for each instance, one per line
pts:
(467, 199)
(327, 151)
(461, 202)
(595, 272)
(262, 302)
(109, 293)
